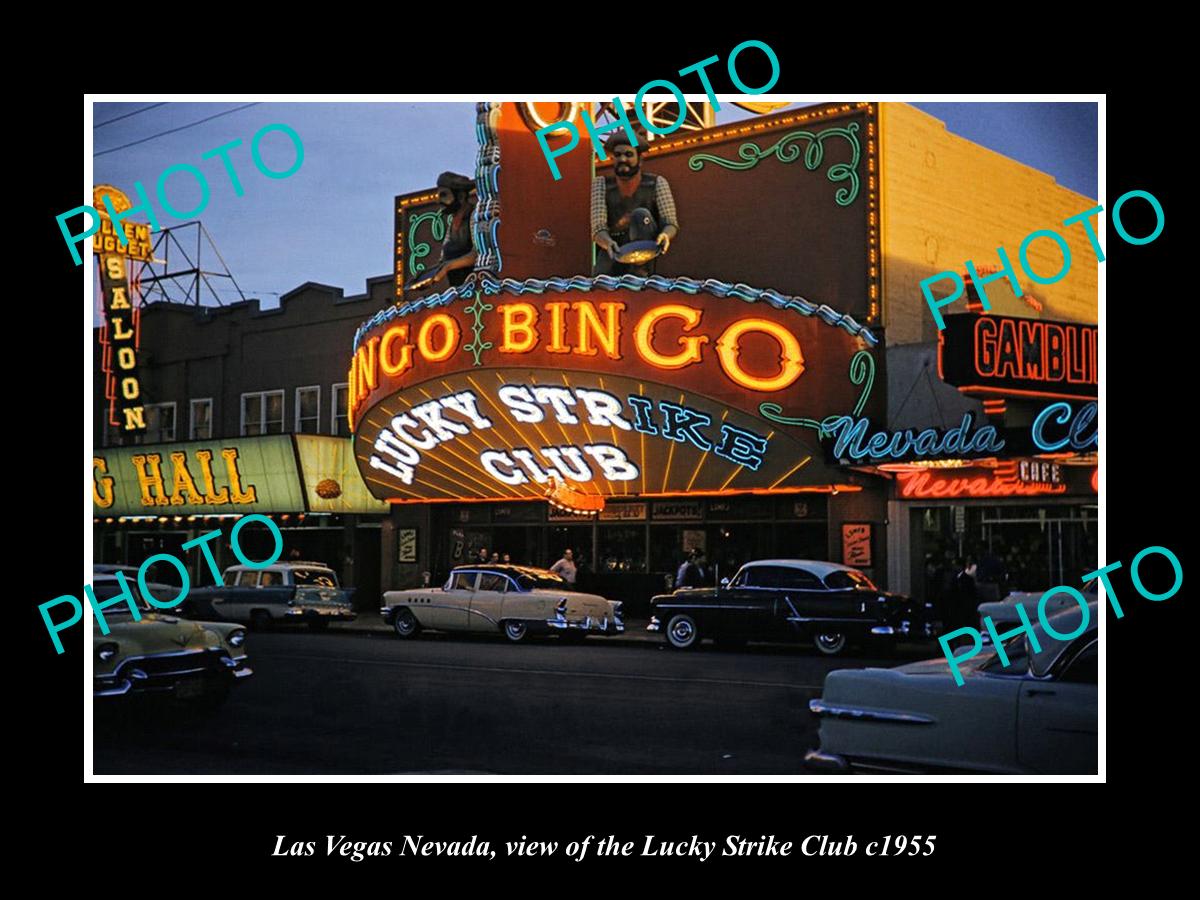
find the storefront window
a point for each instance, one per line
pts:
(622, 548)
(576, 537)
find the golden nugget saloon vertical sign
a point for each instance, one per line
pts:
(119, 337)
(666, 387)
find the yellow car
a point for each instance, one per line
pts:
(163, 654)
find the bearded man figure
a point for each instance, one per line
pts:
(456, 194)
(630, 206)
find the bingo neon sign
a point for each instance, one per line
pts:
(623, 390)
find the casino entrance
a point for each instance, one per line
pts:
(1013, 547)
(633, 549)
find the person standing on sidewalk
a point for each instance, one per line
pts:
(565, 567)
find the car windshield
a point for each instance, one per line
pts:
(315, 577)
(1016, 648)
(841, 579)
(533, 579)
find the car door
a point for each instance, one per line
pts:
(450, 607)
(486, 601)
(802, 600)
(748, 609)
(234, 604)
(1057, 718)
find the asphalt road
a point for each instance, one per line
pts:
(341, 703)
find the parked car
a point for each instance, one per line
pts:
(1036, 715)
(293, 591)
(1004, 612)
(515, 600)
(162, 654)
(789, 600)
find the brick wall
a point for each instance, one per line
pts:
(947, 200)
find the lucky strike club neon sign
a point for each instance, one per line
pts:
(623, 392)
(407, 352)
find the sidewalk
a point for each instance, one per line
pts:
(371, 623)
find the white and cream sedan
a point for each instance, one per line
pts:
(1036, 715)
(515, 600)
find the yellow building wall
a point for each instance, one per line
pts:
(946, 200)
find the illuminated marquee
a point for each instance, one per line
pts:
(1012, 478)
(1013, 356)
(637, 387)
(120, 335)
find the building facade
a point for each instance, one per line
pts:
(710, 405)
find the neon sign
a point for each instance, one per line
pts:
(630, 386)
(1012, 356)
(1077, 434)
(664, 337)
(1005, 480)
(851, 436)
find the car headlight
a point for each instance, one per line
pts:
(237, 638)
(105, 652)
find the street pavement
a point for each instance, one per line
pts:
(360, 701)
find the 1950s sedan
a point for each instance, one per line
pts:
(789, 600)
(160, 654)
(1038, 714)
(515, 600)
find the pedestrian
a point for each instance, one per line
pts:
(295, 554)
(690, 573)
(507, 559)
(483, 555)
(565, 567)
(964, 599)
(495, 557)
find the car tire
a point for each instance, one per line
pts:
(260, 620)
(831, 643)
(514, 629)
(405, 624)
(682, 632)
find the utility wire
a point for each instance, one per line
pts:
(173, 130)
(127, 115)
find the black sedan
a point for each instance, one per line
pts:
(789, 600)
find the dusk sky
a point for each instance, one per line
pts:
(331, 222)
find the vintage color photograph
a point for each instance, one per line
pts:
(522, 438)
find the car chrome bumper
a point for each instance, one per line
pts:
(654, 625)
(825, 762)
(163, 673)
(603, 625)
(336, 615)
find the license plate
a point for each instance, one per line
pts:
(187, 690)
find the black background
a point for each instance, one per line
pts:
(214, 835)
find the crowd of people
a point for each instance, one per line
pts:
(956, 583)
